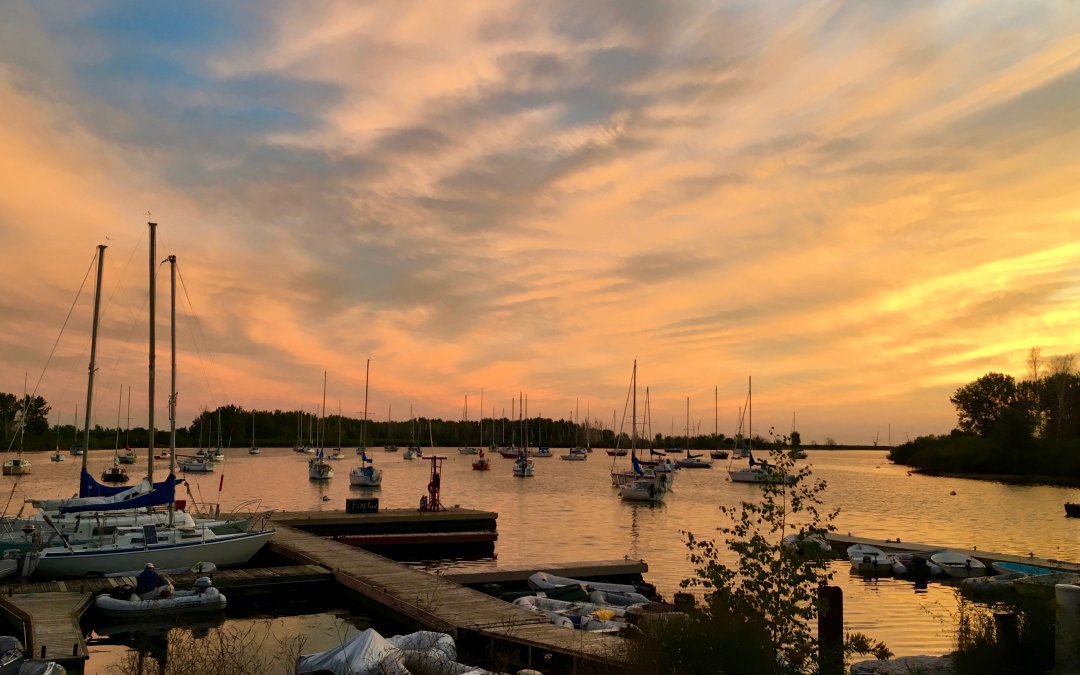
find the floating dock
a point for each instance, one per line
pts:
(437, 603)
(841, 542)
(50, 624)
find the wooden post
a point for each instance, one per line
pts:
(831, 630)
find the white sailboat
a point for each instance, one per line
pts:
(523, 466)
(413, 451)
(177, 543)
(466, 449)
(638, 484)
(758, 471)
(318, 467)
(18, 465)
(365, 475)
(254, 449)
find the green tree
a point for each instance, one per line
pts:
(770, 596)
(796, 439)
(979, 404)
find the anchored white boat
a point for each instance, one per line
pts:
(643, 490)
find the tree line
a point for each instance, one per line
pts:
(286, 428)
(1005, 425)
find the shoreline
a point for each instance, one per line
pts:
(1008, 478)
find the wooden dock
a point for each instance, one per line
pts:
(388, 521)
(50, 625)
(841, 542)
(597, 569)
(437, 603)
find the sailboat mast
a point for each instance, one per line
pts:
(172, 384)
(363, 424)
(93, 357)
(481, 417)
(750, 410)
(322, 422)
(127, 427)
(119, 405)
(153, 350)
(633, 414)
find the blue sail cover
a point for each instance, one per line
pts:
(163, 493)
(88, 487)
(637, 466)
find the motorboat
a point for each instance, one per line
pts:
(959, 565)
(1004, 567)
(123, 602)
(867, 559)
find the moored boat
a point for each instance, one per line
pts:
(959, 565)
(867, 559)
(122, 601)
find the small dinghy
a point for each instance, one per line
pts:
(542, 581)
(122, 601)
(959, 565)
(1002, 567)
(585, 616)
(869, 559)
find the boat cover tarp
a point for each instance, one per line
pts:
(142, 495)
(369, 653)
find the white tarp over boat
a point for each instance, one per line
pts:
(369, 653)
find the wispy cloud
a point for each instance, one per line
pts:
(863, 204)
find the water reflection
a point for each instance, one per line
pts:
(148, 640)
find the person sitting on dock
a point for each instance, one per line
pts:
(150, 585)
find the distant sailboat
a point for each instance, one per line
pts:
(365, 475)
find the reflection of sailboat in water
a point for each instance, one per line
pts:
(635, 535)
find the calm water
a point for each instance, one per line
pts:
(568, 511)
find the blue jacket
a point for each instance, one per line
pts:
(147, 581)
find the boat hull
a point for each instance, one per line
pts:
(221, 550)
(179, 602)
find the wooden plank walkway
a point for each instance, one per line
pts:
(51, 623)
(397, 518)
(594, 569)
(241, 579)
(842, 541)
(418, 538)
(442, 605)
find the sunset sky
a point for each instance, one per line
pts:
(862, 205)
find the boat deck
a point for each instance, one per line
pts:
(439, 604)
(51, 625)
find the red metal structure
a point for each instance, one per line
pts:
(430, 501)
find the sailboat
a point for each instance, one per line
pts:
(691, 461)
(467, 449)
(57, 456)
(171, 545)
(117, 473)
(125, 455)
(413, 451)
(758, 471)
(76, 448)
(639, 484)
(365, 475)
(254, 449)
(717, 453)
(18, 466)
(336, 454)
(389, 447)
(318, 467)
(523, 466)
